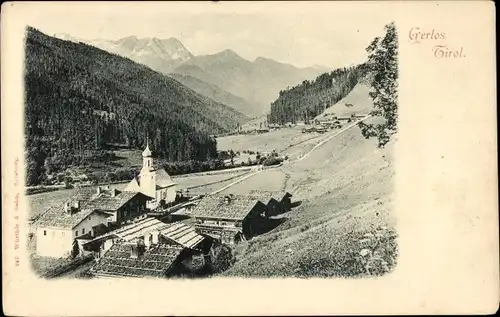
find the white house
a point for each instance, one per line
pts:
(153, 182)
(60, 226)
(82, 216)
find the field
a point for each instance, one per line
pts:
(343, 227)
(278, 140)
(358, 98)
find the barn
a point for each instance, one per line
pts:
(277, 202)
(229, 218)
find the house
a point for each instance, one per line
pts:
(150, 248)
(358, 115)
(320, 129)
(153, 182)
(134, 259)
(229, 218)
(178, 233)
(277, 202)
(348, 119)
(82, 217)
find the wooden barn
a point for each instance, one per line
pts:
(277, 202)
(229, 218)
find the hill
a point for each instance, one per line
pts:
(217, 94)
(309, 99)
(346, 193)
(80, 98)
(259, 81)
(358, 101)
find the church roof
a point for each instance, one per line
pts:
(163, 179)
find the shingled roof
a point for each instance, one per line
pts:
(155, 262)
(215, 206)
(182, 234)
(89, 202)
(265, 195)
(179, 233)
(57, 217)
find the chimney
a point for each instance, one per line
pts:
(137, 249)
(148, 239)
(155, 235)
(67, 209)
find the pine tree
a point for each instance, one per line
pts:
(383, 65)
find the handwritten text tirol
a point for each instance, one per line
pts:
(443, 51)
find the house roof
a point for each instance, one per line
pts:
(214, 206)
(135, 230)
(265, 195)
(155, 262)
(182, 234)
(89, 201)
(179, 233)
(57, 217)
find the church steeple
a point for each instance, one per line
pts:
(147, 160)
(147, 151)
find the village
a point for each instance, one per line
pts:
(151, 229)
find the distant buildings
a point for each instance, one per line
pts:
(153, 182)
(82, 216)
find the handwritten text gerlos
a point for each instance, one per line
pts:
(440, 50)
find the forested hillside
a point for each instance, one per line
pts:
(217, 94)
(307, 100)
(79, 99)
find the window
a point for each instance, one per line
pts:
(90, 217)
(83, 231)
(76, 233)
(44, 232)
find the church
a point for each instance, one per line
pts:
(153, 182)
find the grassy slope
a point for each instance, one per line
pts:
(358, 97)
(345, 187)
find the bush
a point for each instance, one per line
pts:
(272, 160)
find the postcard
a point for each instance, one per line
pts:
(249, 158)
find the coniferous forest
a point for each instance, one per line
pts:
(79, 100)
(311, 98)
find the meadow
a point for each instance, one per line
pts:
(344, 225)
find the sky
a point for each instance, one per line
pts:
(327, 34)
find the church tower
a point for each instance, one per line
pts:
(147, 176)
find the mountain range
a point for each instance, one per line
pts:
(226, 77)
(80, 99)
